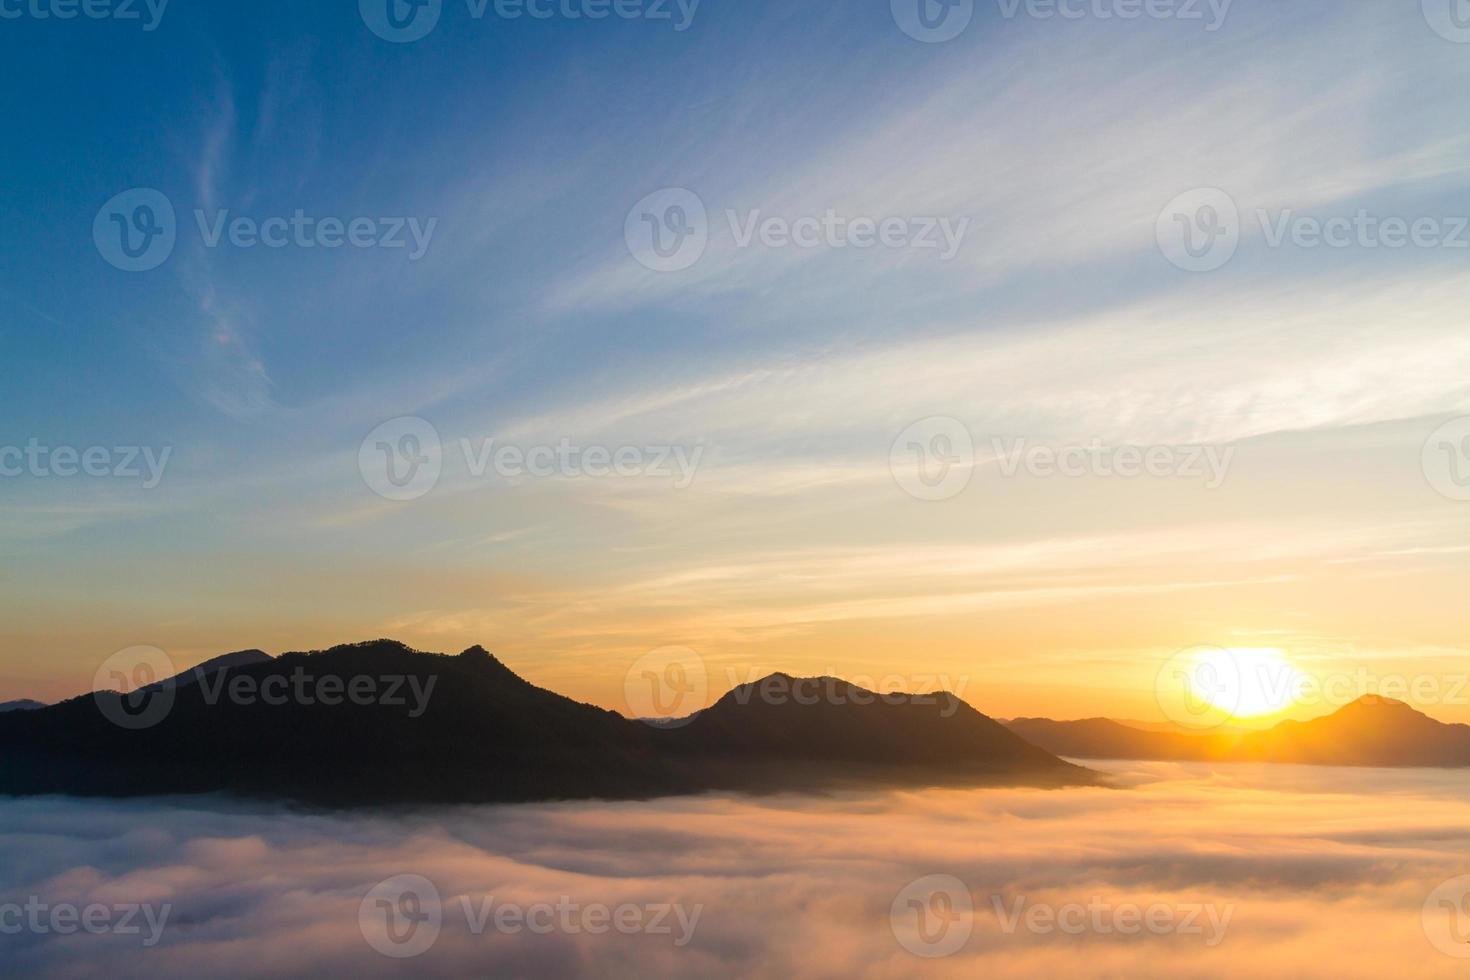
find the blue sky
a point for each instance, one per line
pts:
(527, 320)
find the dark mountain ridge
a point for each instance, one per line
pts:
(467, 729)
(1371, 731)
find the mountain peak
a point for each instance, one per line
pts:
(1379, 701)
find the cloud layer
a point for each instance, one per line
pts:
(1292, 872)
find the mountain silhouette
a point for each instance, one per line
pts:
(1372, 731)
(25, 704)
(241, 658)
(467, 729)
(828, 722)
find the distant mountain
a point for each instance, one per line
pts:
(242, 658)
(1371, 731)
(829, 723)
(1102, 738)
(24, 704)
(467, 729)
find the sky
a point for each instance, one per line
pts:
(1268, 871)
(1098, 241)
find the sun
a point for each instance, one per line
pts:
(1247, 682)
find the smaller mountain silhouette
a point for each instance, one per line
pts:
(25, 704)
(828, 722)
(225, 661)
(1371, 731)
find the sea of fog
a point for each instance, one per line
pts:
(1179, 870)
